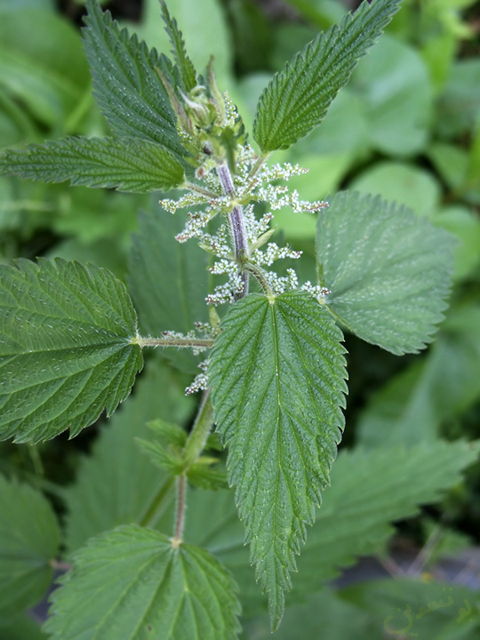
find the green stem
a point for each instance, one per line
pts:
(182, 343)
(259, 274)
(181, 505)
(199, 434)
(158, 503)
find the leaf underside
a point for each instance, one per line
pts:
(132, 583)
(127, 164)
(388, 270)
(29, 539)
(125, 82)
(297, 98)
(277, 376)
(65, 351)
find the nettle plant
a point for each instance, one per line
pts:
(272, 366)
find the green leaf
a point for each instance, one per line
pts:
(394, 86)
(434, 610)
(277, 378)
(116, 483)
(184, 65)
(21, 627)
(406, 184)
(388, 271)
(128, 165)
(297, 98)
(324, 617)
(135, 583)
(204, 28)
(42, 65)
(168, 281)
(29, 539)
(439, 389)
(369, 490)
(125, 82)
(65, 347)
(356, 515)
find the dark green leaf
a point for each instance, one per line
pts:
(135, 583)
(369, 491)
(168, 281)
(184, 64)
(66, 349)
(126, 85)
(388, 270)
(128, 165)
(29, 539)
(277, 377)
(297, 98)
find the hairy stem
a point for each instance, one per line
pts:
(259, 275)
(193, 448)
(181, 505)
(237, 224)
(182, 343)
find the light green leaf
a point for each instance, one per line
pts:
(42, 64)
(117, 483)
(277, 378)
(402, 183)
(369, 491)
(203, 26)
(184, 65)
(135, 583)
(65, 347)
(125, 82)
(168, 281)
(297, 98)
(464, 224)
(29, 539)
(128, 165)
(388, 271)
(394, 85)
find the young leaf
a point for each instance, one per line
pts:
(168, 281)
(29, 539)
(134, 583)
(185, 66)
(65, 347)
(297, 98)
(128, 165)
(117, 482)
(125, 82)
(277, 378)
(388, 270)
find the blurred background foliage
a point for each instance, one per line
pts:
(407, 126)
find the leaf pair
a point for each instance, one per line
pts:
(146, 153)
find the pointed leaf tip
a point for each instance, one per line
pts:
(277, 376)
(297, 98)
